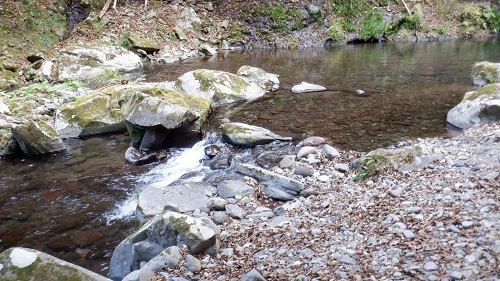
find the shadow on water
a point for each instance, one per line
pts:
(59, 204)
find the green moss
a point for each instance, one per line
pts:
(336, 32)
(488, 90)
(371, 166)
(208, 79)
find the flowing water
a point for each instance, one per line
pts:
(77, 205)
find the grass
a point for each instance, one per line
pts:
(280, 17)
(105, 78)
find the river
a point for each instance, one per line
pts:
(77, 205)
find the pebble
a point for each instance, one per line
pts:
(467, 224)
(315, 231)
(343, 168)
(324, 178)
(456, 275)
(408, 234)
(193, 264)
(396, 192)
(234, 211)
(304, 171)
(430, 266)
(306, 151)
(330, 151)
(347, 259)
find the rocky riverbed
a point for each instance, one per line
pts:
(439, 222)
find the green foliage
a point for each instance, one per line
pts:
(336, 32)
(491, 15)
(279, 16)
(349, 12)
(105, 78)
(125, 41)
(371, 166)
(373, 26)
(411, 22)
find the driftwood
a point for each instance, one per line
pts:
(108, 2)
(404, 3)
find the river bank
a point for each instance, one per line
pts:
(168, 31)
(440, 221)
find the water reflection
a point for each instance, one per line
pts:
(409, 89)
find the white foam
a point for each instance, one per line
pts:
(22, 258)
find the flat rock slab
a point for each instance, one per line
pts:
(180, 198)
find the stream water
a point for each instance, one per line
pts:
(76, 205)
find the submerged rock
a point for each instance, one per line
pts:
(485, 73)
(82, 61)
(476, 108)
(305, 87)
(27, 264)
(217, 86)
(248, 135)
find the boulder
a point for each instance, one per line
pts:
(217, 86)
(37, 138)
(169, 258)
(148, 105)
(168, 229)
(207, 50)
(275, 185)
(187, 197)
(8, 144)
(248, 135)
(83, 61)
(180, 34)
(305, 87)
(27, 264)
(145, 44)
(135, 156)
(408, 158)
(4, 109)
(476, 108)
(185, 17)
(485, 73)
(265, 80)
(96, 113)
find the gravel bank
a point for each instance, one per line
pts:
(436, 223)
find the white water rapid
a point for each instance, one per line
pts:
(181, 162)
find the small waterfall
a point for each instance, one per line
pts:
(182, 161)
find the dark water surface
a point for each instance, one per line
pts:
(58, 204)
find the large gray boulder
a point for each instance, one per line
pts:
(37, 138)
(476, 108)
(275, 185)
(408, 158)
(168, 229)
(19, 264)
(150, 106)
(85, 60)
(187, 197)
(96, 113)
(217, 86)
(265, 80)
(248, 135)
(485, 73)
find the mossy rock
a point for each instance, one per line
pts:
(145, 44)
(37, 138)
(23, 264)
(485, 73)
(247, 135)
(147, 105)
(217, 86)
(96, 113)
(476, 108)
